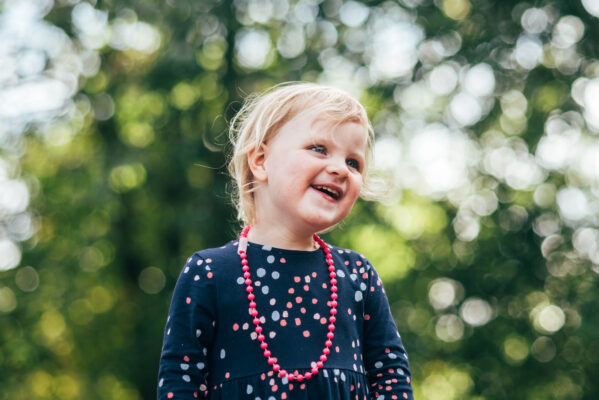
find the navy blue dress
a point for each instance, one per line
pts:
(210, 349)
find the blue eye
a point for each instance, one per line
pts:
(318, 149)
(352, 163)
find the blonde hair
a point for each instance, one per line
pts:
(261, 117)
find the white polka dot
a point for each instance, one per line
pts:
(336, 371)
(275, 275)
(381, 397)
(285, 314)
(186, 378)
(196, 278)
(265, 289)
(353, 277)
(340, 273)
(273, 301)
(272, 335)
(198, 332)
(205, 351)
(270, 259)
(240, 280)
(200, 262)
(343, 377)
(363, 286)
(222, 353)
(276, 315)
(249, 389)
(253, 335)
(184, 367)
(161, 382)
(267, 248)
(307, 278)
(400, 371)
(260, 272)
(377, 364)
(325, 373)
(169, 331)
(317, 316)
(272, 398)
(186, 270)
(200, 365)
(392, 356)
(355, 368)
(358, 296)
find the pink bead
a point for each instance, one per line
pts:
(282, 373)
(249, 289)
(331, 268)
(328, 343)
(276, 367)
(328, 256)
(258, 329)
(332, 319)
(244, 262)
(245, 268)
(271, 361)
(319, 364)
(246, 275)
(333, 303)
(299, 378)
(251, 296)
(254, 313)
(331, 262)
(333, 311)
(248, 281)
(334, 296)
(291, 377)
(323, 358)
(333, 281)
(256, 321)
(263, 345)
(252, 304)
(331, 327)
(308, 375)
(314, 371)
(326, 350)
(243, 255)
(333, 289)
(266, 353)
(261, 338)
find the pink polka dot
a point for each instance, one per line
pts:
(314, 301)
(283, 322)
(209, 260)
(313, 274)
(235, 327)
(324, 285)
(289, 305)
(186, 359)
(306, 288)
(358, 263)
(284, 396)
(283, 261)
(298, 299)
(188, 300)
(275, 388)
(303, 310)
(367, 317)
(291, 291)
(297, 279)
(298, 321)
(346, 262)
(209, 275)
(306, 333)
(323, 320)
(227, 375)
(387, 350)
(170, 395)
(405, 395)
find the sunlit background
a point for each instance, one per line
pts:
(112, 171)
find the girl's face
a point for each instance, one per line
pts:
(310, 173)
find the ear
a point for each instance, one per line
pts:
(257, 163)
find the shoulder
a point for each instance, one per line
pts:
(351, 256)
(213, 261)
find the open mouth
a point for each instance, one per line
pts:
(327, 190)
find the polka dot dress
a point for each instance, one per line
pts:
(211, 350)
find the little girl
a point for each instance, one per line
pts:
(278, 313)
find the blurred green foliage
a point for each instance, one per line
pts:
(136, 182)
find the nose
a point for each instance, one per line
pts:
(337, 167)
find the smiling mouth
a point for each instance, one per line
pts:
(326, 190)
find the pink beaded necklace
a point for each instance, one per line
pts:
(243, 243)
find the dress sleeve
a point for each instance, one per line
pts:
(188, 335)
(385, 358)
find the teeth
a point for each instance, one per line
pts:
(333, 192)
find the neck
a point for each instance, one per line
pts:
(281, 238)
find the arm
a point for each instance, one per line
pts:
(188, 335)
(384, 355)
